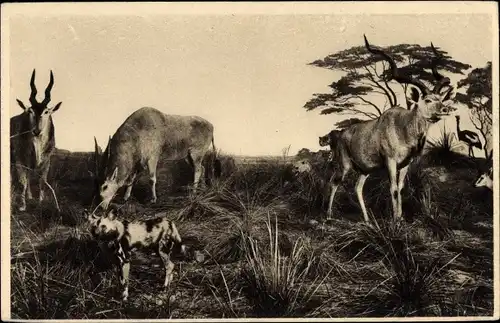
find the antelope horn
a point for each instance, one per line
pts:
(33, 88)
(442, 80)
(97, 148)
(395, 75)
(107, 153)
(97, 156)
(108, 145)
(48, 89)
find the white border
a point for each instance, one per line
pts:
(238, 8)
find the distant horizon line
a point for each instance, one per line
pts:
(222, 152)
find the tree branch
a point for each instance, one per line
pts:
(394, 97)
(370, 76)
(480, 121)
(367, 114)
(369, 103)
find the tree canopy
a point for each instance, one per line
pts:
(478, 89)
(365, 78)
(478, 99)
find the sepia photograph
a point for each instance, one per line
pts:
(250, 161)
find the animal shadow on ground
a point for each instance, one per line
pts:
(40, 217)
(76, 253)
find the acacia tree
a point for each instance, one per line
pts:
(367, 77)
(477, 98)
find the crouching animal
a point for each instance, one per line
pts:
(126, 237)
(485, 180)
(312, 175)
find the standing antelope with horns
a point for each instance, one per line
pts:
(392, 140)
(32, 141)
(138, 144)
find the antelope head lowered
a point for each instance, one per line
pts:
(137, 145)
(32, 140)
(395, 138)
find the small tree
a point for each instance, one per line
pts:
(366, 81)
(478, 99)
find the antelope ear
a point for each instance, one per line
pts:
(414, 95)
(21, 104)
(54, 109)
(115, 174)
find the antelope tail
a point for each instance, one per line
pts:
(179, 246)
(217, 164)
(213, 144)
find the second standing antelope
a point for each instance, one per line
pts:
(392, 140)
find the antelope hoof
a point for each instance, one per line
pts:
(22, 208)
(153, 200)
(125, 296)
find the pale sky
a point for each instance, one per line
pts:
(247, 74)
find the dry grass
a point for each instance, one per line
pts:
(258, 252)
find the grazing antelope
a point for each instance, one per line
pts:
(32, 141)
(486, 179)
(138, 144)
(392, 140)
(469, 137)
(127, 236)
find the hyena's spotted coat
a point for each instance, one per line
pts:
(127, 236)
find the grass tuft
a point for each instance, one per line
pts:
(276, 286)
